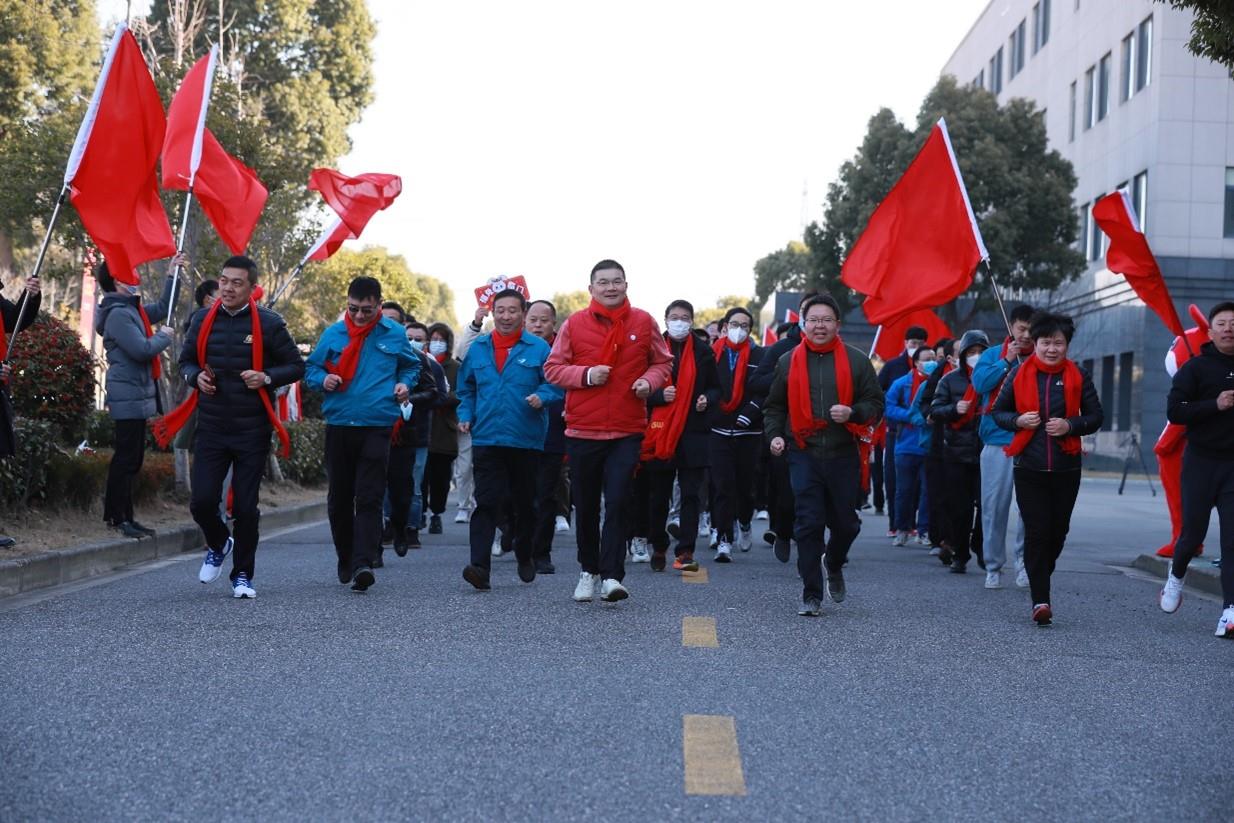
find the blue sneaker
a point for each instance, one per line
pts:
(212, 566)
(241, 587)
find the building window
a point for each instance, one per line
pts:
(1139, 198)
(1090, 97)
(1229, 202)
(1083, 239)
(1103, 87)
(1015, 47)
(1107, 391)
(979, 80)
(1126, 364)
(996, 72)
(1071, 115)
(1096, 237)
(1127, 87)
(1041, 25)
(1144, 53)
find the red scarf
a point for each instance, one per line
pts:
(1002, 355)
(441, 358)
(801, 417)
(739, 371)
(917, 379)
(668, 422)
(970, 394)
(616, 332)
(349, 360)
(1028, 399)
(165, 427)
(502, 343)
(156, 368)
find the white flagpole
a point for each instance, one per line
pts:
(317, 244)
(874, 343)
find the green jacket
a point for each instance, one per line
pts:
(835, 440)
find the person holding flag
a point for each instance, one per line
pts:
(234, 356)
(823, 397)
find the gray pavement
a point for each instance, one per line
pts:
(148, 696)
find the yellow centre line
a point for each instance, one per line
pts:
(699, 576)
(713, 761)
(699, 632)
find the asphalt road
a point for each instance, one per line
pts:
(148, 696)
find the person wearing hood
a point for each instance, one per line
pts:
(958, 407)
(132, 346)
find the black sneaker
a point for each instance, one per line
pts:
(545, 567)
(958, 568)
(783, 548)
(674, 529)
(129, 530)
(945, 556)
(400, 548)
(413, 538)
(810, 607)
(362, 579)
(377, 561)
(526, 570)
(142, 528)
(835, 585)
(434, 524)
(344, 571)
(6, 541)
(658, 559)
(477, 577)
(769, 537)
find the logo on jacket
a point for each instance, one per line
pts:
(248, 338)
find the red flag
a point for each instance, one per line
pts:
(1130, 256)
(769, 336)
(891, 337)
(111, 173)
(229, 192)
(328, 242)
(922, 245)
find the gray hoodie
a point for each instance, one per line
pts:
(131, 391)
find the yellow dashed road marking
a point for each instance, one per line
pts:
(699, 631)
(699, 576)
(713, 761)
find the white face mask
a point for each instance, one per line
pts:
(971, 360)
(737, 335)
(417, 345)
(678, 329)
(911, 348)
(437, 347)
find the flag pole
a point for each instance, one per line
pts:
(38, 265)
(874, 343)
(985, 262)
(287, 284)
(322, 239)
(175, 272)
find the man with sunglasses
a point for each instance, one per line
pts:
(365, 366)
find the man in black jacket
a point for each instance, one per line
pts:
(736, 434)
(234, 419)
(1202, 399)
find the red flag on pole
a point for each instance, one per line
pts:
(922, 245)
(891, 338)
(769, 336)
(355, 200)
(229, 192)
(1130, 256)
(112, 170)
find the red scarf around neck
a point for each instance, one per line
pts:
(349, 360)
(739, 371)
(502, 343)
(970, 394)
(1028, 399)
(616, 332)
(668, 422)
(441, 358)
(165, 427)
(915, 383)
(156, 368)
(801, 419)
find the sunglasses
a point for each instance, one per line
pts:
(362, 311)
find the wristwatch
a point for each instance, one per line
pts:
(267, 379)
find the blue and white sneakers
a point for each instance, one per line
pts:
(242, 586)
(212, 566)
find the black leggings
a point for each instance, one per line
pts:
(1046, 500)
(1207, 483)
(438, 472)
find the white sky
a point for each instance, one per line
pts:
(675, 136)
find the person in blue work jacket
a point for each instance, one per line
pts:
(912, 499)
(502, 395)
(365, 365)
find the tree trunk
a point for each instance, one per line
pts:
(276, 471)
(182, 471)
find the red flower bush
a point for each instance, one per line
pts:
(53, 378)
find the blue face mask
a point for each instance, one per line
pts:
(417, 345)
(929, 368)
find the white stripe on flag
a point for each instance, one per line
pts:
(1130, 207)
(198, 136)
(321, 239)
(87, 122)
(972, 218)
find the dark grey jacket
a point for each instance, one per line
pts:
(1043, 452)
(962, 445)
(131, 392)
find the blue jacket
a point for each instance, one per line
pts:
(495, 402)
(987, 376)
(385, 359)
(917, 417)
(899, 411)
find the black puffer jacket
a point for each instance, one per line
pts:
(751, 405)
(428, 394)
(962, 445)
(928, 390)
(234, 409)
(1043, 452)
(694, 447)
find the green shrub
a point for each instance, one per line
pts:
(100, 430)
(23, 477)
(53, 378)
(76, 480)
(307, 464)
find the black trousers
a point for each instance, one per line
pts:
(876, 478)
(1046, 500)
(660, 486)
(438, 472)
(1206, 483)
(782, 512)
(733, 466)
(356, 461)
(549, 470)
(963, 481)
(889, 475)
(505, 483)
(827, 494)
(122, 472)
(399, 482)
(936, 493)
(245, 455)
(602, 468)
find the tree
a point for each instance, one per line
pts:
(437, 301)
(1212, 29)
(568, 302)
(702, 317)
(785, 270)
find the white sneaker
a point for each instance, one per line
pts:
(923, 541)
(212, 565)
(993, 580)
(638, 550)
(1225, 626)
(561, 525)
(463, 516)
(1021, 575)
(586, 588)
(242, 587)
(611, 591)
(713, 539)
(761, 514)
(1172, 594)
(901, 539)
(496, 550)
(704, 522)
(724, 552)
(935, 551)
(744, 539)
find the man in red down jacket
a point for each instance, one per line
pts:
(609, 357)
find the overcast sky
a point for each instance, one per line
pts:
(675, 136)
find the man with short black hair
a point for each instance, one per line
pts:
(366, 367)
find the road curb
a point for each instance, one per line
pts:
(38, 571)
(1200, 575)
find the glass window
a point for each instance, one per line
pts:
(1089, 97)
(1229, 202)
(1096, 238)
(979, 80)
(996, 72)
(1071, 115)
(1139, 198)
(1103, 87)
(1083, 238)
(1144, 53)
(1043, 34)
(1127, 87)
(1015, 48)
(1036, 28)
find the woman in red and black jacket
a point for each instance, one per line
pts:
(1050, 403)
